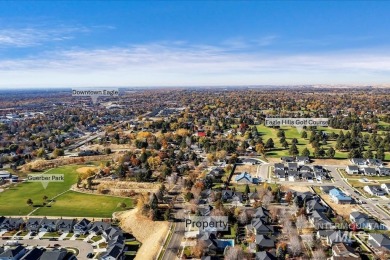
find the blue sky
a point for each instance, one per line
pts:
(184, 43)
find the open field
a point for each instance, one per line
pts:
(73, 204)
(13, 200)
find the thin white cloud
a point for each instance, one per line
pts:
(160, 64)
(33, 36)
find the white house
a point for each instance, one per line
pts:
(352, 169)
(375, 190)
(386, 187)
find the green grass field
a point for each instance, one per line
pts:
(13, 200)
(291, 132)
(83, 205)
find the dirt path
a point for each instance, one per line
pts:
(149, 233)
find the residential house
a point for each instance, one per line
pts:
(265, 255)
(369, 171)
(33, 254)
(287, 159)
(379, 241)
(314, 205)
(352, 169)
(292, 167)
(13, 253)
(227, 195)
(293, 175)
(342, 251)
(279, 166)
(363, 221)
(338, 237)
(82, 227)
(246, 178)
(48, 225)
(253, 197)
(251, 161)
(281, 174)
(320, 221)
(356, 215)
(326, 189)
(339, 197)
(65, 225)
(375, 162)
(386, 187)
(111, 232)
(359, 161)
(302, 160)
(375, 190)
(98, 227)
(263, 214)
(257, 227)
(205, 210)
(308, 176)
(9, 224)
(264, 242)
(323, 233)
(113, 253)
(56, 254)
(238, 198)
(33, 224)
(382, 171)
(305, 168)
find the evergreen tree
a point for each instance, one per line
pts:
(293, 150)
(330, 153)
(305, 152)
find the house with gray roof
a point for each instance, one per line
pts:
(352, 169)
(379, 241)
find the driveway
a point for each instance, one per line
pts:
(27, 236)
(74, 237)
(40, 235)
(63, 236)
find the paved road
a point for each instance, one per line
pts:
(178, 233)
(371, 206)
(83, 247)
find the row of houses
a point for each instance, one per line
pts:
(20, 252)
(294, 171)
(368, 171)
(377, 190)
(113, 235)
(7, 176)
(366, 162)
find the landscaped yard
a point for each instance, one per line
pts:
(13, 200)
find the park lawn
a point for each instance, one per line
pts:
(75, 204)
(13, 200)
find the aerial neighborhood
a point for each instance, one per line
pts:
(137, 169)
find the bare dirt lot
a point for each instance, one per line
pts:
(251, 169)
(342, 210)
(83, 170)
(298, 188)
(149, 233)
